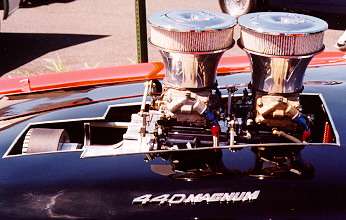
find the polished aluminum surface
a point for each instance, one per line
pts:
(191, 44)
(278, 74)
(190, 70)
(191, 31)
(190, 20)
(282, 23)
(280, 46)
(282, 34)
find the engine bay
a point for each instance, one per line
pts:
(190, 112)
(111, 136)
(187, 151)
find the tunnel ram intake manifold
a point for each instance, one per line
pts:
(190, 110)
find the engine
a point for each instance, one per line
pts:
(190, 110)
(189, 120)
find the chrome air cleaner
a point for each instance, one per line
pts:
(282, 34)
(191, 43)
(280, 46)
(192, 31)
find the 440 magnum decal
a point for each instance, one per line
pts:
(182, 198)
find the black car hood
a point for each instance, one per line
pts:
(105, 187)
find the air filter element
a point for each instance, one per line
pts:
(282, 34)
(280, 46)
(191, 44)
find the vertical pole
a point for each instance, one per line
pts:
(141, 31)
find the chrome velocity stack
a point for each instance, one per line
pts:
(191, 44)
(280, 46)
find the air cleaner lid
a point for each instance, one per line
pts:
(189, 20)
(282, 34)
(192, 31)
(282, 23)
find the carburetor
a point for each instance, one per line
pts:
(280, 46)
(191, 44)
(190, 111)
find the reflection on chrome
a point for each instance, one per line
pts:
(286, 162)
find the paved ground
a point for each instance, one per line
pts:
(83, 34)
